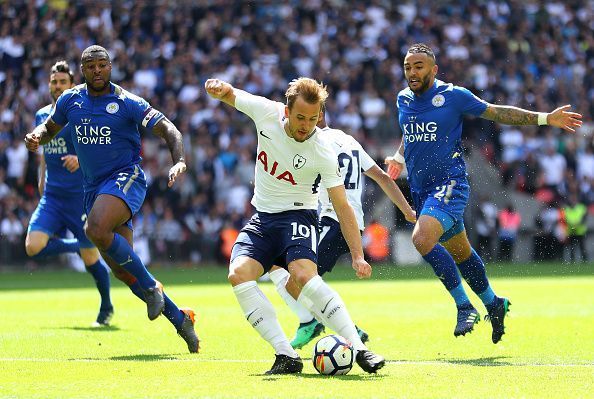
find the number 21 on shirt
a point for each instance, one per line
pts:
(352, 163)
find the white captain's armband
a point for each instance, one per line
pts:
(149, 116)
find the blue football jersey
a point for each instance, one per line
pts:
(431, 129)
(58, 180)
(104, 128)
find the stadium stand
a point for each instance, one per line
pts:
(533, 54)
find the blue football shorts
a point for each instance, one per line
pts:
(54, 213)
(127, 184)
(446, 203)
(278, 238)
(332, 245)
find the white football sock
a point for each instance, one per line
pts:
(261, 315)
(325, 302)
(279, 277)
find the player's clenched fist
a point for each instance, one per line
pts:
(394, 167)
(32, 141)
(217, 88)
(362, 268)
(175, 171)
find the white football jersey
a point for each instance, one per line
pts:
(288, 173)
(352, 160)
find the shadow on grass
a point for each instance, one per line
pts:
(89, 328)
(495, 361)
(348, 377)
(129, 358)
(86, 328)
(144, 358)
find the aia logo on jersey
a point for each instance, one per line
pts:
(298, 161)
(286, 175)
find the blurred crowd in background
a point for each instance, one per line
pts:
(532, 54)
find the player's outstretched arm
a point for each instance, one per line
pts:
(350, 229)
(220, 90)
(167, 130)
(41, 135)
(392, 191)
(395, 163)
(508, 115)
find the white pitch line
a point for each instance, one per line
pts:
(202, 360)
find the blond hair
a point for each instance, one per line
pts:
(310, 90)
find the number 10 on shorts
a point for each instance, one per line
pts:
(302, 231)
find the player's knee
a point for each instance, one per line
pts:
(243, 269)
(302, 276)
(35, 242)
(100, 236)
(236, 277)
(423, 243)
(240, 274)
(90, 256)
(32, 247)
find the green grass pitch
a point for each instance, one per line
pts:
(47, 349)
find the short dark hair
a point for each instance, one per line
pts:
(94, 52)
(62, 66)
(419, 48)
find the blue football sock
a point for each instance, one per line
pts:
(460, 297)
(56, 246)
(125, 256)
(473, 271)
(137, 290)
(487, 296)
(445, 268)
(172, 312)
(101, 276)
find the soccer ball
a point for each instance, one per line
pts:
(333, 355)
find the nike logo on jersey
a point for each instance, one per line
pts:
(262, 134)
(327, 303)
